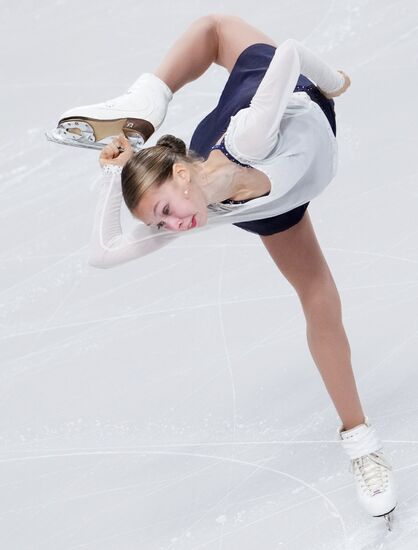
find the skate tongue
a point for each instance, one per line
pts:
(373, 477)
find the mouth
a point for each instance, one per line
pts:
(193, 223)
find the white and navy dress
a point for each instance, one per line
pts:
(239, 90)
(272, 118)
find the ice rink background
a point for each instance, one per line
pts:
(172, 403)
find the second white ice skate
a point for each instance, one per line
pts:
(373, 476)
(138, 114)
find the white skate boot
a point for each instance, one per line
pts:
(373, 477)
(138, 114)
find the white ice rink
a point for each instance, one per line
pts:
(172, 403)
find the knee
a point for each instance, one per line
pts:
(208, 26)
(322, 301)
(209, 21)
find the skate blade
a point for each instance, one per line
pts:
(93, 134)
(57, 137)
(388, 519)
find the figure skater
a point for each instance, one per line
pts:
(256, 161)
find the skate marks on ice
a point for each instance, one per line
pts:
(238, 519)
(251, 514)
(375, 536)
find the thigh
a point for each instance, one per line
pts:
(234, 35)
(297, 254)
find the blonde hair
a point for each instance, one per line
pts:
(153, 166)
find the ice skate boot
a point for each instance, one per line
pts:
(372, 473)
(138, 114)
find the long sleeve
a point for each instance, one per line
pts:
(253, 132)
(109, 246)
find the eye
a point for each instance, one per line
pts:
(166, 212)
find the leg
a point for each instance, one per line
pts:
(191, 55)
(93, 125)
(210, 39)
(235, 35)
(297, 254)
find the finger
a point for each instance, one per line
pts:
(124, 142)
(122, 138)
(118, 145)
(115, 145)
(114, 148)
(119, 139)
(106, 153)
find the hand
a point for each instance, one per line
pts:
(347, 84)
(117, 153)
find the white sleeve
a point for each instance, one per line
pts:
(254, 131)
(109, 246)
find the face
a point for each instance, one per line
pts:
(169, 207)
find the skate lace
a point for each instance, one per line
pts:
(371, 470)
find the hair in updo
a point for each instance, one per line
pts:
(153, 166)
(174, 143)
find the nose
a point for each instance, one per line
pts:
(176, 224)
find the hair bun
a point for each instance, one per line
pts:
(177, 145)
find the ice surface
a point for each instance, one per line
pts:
(172, 403)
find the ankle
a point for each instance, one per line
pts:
(351, 423)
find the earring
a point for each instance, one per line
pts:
(186, 192)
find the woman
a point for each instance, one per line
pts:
(257, 160)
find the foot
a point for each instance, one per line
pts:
(138, 114)
(373, 476)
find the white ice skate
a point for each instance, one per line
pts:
(372, 473)
(138, 114)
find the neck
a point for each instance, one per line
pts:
(219, 178)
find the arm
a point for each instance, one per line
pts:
(109, 246)
(253, 132)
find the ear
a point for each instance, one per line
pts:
(181, 171)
